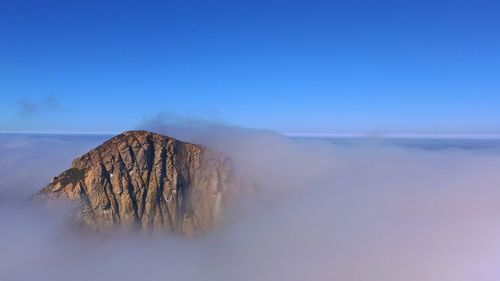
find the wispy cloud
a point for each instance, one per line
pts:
(29, 107)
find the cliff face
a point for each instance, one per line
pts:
(142, 180)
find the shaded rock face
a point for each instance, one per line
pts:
(142, 180)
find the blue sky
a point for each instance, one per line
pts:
(293, 66)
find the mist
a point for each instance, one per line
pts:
(322, 211)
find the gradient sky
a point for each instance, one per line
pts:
(293, 66)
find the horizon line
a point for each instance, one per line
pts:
(310, 135)
(399, 135)
(55, 133)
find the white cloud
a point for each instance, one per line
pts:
(324, 212)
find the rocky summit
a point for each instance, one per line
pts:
(147, 181)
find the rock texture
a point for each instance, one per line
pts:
(143, 180)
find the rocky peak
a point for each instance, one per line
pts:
(143, 180)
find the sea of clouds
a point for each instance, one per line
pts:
(323, 212)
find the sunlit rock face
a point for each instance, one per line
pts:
(146, 181)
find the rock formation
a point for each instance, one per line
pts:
(143, 180)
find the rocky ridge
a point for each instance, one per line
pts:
(147, 181)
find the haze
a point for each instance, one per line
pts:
(324, 212)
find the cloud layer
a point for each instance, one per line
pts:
(324, 212)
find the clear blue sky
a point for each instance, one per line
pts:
(294, 66)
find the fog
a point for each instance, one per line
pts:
(323, 211)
